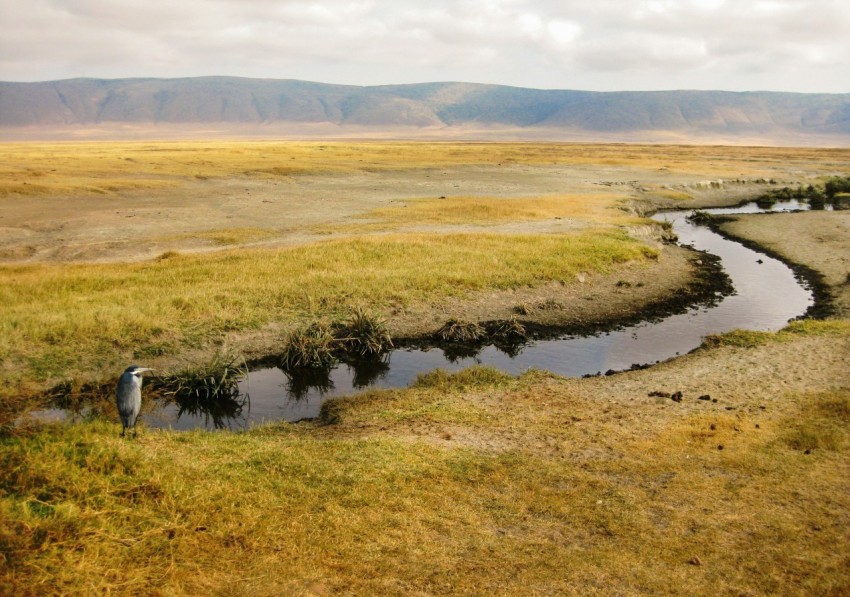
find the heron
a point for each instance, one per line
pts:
(128, 397)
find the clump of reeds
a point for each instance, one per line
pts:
(507, 330)
(460, 331)
(218, 377)
(550, 304)
(700, 218)
(364, 335)
(310, 347)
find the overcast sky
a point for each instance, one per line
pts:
(780, 45)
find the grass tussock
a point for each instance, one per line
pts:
(319, 345)
(219, 376)
(211, 390)
(507, 331)
(461, 332)
(310, 347)
(363, 335)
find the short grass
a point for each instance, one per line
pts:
(228, 236)
(472, 483)
(60, 320)
(751, 339)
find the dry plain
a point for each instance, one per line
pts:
(466, 484)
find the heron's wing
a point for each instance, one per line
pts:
(127, 398)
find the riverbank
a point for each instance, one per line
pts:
(724, 471)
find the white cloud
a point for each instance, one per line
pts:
(607, 44)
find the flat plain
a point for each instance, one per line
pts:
(469, 483)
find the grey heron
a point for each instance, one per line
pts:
(128, 397)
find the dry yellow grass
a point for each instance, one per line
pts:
(471, 212)
(34, 169)
(472, 483)
(228, 236)
(61, 320)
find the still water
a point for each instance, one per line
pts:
(767, 296)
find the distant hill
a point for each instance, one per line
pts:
(248, 103)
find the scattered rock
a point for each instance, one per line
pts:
(713, 427)
(705, 397)
(720, 447)
(759, 261)
(677, 396)
(447, 436)
(807, 451)
(758, 426)
(659, 394)
(695, 561)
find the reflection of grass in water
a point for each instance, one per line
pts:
(300, 382)
(368, 371)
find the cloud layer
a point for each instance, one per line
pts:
(785, 45)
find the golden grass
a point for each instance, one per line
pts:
(36, 169)
(59, 319)
(227, 236)
(481, 211)
(447, 488)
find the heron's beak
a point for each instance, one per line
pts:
(143, 369)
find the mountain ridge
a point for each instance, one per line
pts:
(440, 105)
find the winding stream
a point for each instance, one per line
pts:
(767, 296)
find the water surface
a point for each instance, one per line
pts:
(767, 296)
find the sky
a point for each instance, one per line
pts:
(599, 45)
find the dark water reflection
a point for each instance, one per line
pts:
(767, 297)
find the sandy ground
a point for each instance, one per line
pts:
(132, 225)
